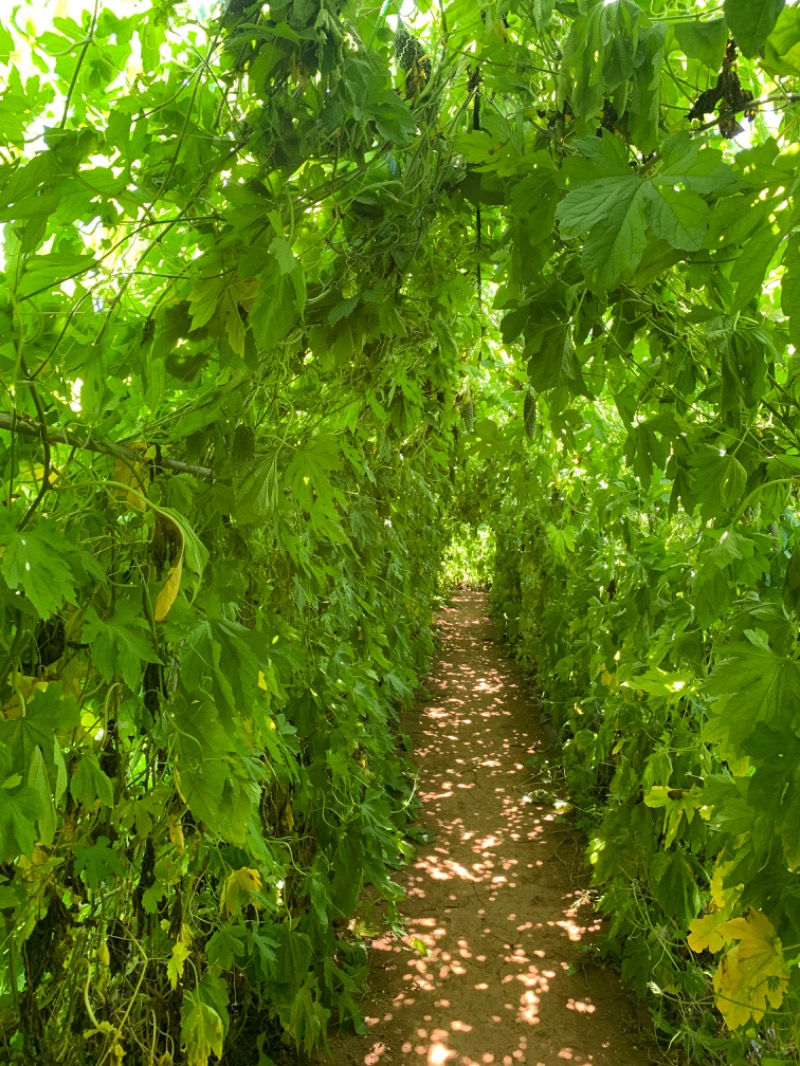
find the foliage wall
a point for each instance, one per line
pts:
(226, 409)
(289, 292)
(646, 515)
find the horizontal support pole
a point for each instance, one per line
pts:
(105, 447)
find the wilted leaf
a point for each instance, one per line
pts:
(169, 590)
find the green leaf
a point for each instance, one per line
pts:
(701, 169)
(645, 102)
(551, 356)
(751, 266)
(195, 552)
(10, 897)
(713, 596)
(311, 463)
(275, 308)
(790, 288)
(674, 885)
(216, 788)
(295, 952)
(39, 781)
(258, 496)
(543, 12)
(98, 863)
(782, 51)
(703, 40)
(791, 584)
(477, 146)
(118, 644)
(35, 559)
(774, 790)
(49, 712)
(89, 783)
(751, 22)
(225, 651)
(204, 299)
(720, 480)
(581, 76)
(679, 216)
(46, 271)
(180, 953)
(392, 117)
(308, 1019)
(20, 809)
(225, 946)
(751, 687)
(202, 1030)
(562, 540)
(284, 255)
(612, 212)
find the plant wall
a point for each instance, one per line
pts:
(290, 292)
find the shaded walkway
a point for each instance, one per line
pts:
(493, 897)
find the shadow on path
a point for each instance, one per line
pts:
(493, 897)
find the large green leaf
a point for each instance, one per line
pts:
(119, 644)
(277, 305)
(752, 686)
(49, 712)
(89, 783)
(294, 955)
(611, 211)
(202, 1030)
(699, 168)
(20, 809)
(217, 788)
(751, 22)
(98, 863)
(774, 790)
(226, 652)
(679, 216)
(34, 559)
(613, 205)
(782, 51)
(703, 40)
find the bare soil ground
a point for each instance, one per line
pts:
(498, 898)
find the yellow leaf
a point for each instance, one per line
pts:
(704, 932)
(753, 974)
(176, 832)
(287, 818)
(131, 472)
(114, 1051)
(722, 896)
(24, 686)
(238, 888)
(54, 473)
(606, 678)
(755, 931)
(170, 590)
(180, 953)
(718, 887)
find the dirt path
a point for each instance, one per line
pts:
(494, 897)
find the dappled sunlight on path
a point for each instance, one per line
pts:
(493, 897)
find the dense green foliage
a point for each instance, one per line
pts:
(292, 292)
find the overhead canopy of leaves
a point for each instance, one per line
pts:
(289, 292)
